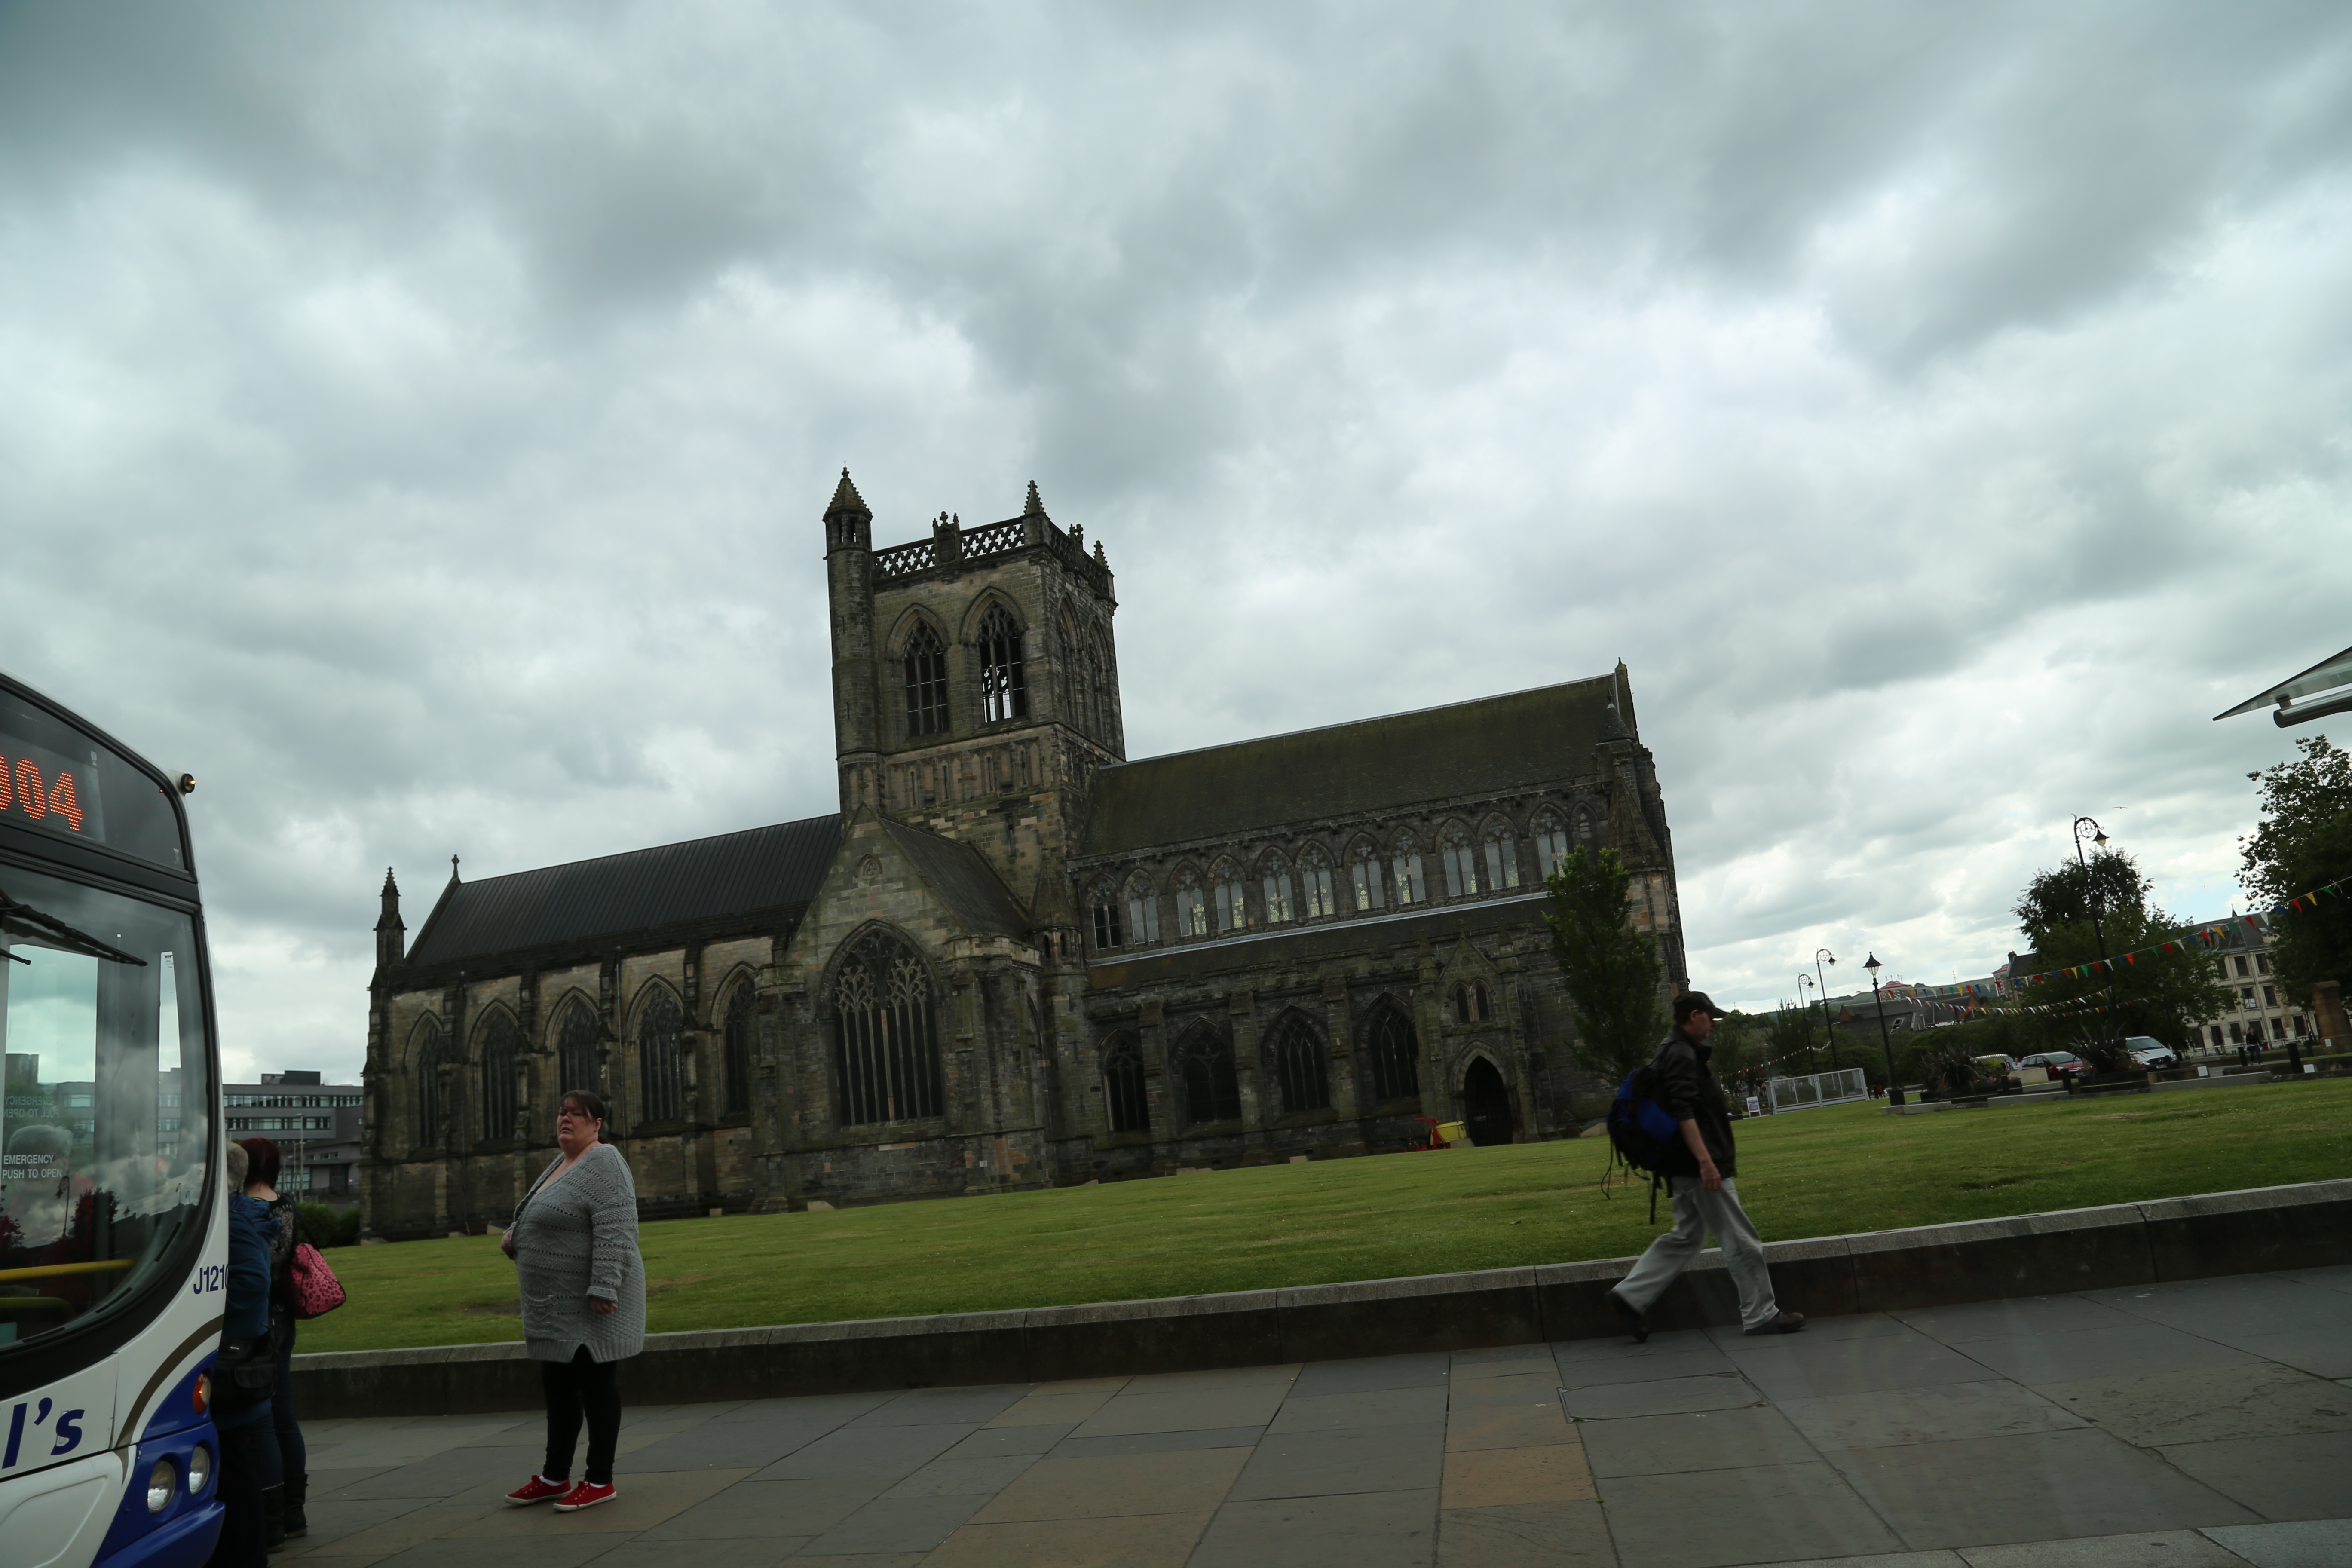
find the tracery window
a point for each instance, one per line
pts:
(1406, 865)
(1368, 878)
(1315, 887)
(1231, 910)
(1502, 856)
(1213, 1089)
(741, 1020)
(1111, 930)
(1392, 1052)
(432, 1109)
(1142, 910)
(498, 1054)
(1551, 843)
(1471, 1002)
(661, 1057)
(1298, 1066)
(883, 1044)
(1004, 685)
(1274, 873)
(1461, 866)
(1123, 1090)
(1192, 907)
(576, 1048)
(926, 681)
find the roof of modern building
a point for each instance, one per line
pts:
(670, 884)
(1488, 746)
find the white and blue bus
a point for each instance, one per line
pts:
(113, 1252)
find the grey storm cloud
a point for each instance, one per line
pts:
(417, 416)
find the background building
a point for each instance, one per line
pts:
(318, 1129)
(1014, 958)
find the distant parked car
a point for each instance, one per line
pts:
(2060, 1064)
(2150, 1052)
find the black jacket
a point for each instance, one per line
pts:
(1690, 1093)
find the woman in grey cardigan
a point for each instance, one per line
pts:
(574, 1243)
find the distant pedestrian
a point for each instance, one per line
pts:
(574, 1243)
(240, 1400)
(284, 1485)
(1699, 1176)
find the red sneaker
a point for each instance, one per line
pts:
(587, 1494)
(536, 1491)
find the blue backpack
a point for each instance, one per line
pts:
(1643, 1132)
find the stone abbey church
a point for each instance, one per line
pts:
(1014, 958)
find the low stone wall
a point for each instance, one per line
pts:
(2303, 1227)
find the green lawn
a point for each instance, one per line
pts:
(1817, 1173)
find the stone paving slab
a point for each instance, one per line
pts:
(2201, 1425)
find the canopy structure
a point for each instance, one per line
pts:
(2326, 688)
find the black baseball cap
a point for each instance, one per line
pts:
(1689, 1002)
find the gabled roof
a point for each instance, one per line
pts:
(734, 873)
(963, 879)
(1489, 746)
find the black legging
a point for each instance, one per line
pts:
(582, 1384)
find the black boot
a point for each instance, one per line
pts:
(273, 1517)
(297, 1491)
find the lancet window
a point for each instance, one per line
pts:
(884, 1047)
(1142, 910)
(1502, 856)
(1298, 1066)
(1192, 907)
(1461, 866)
(1393, 1053)
(433, 1110)
(661, 1057)
(741, 1020)
(1406, 864)
(1212, 1091)
(1317, 895)
(1473, 1003)
(926, 682)
(1110, 927)
(576, 1048)
(1004, 681)
(497, 1037)
(1551, 843)
(1123, 1091)
(1367, 870)
(1229, 907)
(1274, 873)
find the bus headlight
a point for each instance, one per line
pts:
(161, 1482)
(200, 1470)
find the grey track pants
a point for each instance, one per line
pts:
(1696, 1212)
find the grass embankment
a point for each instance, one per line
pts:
(1815, 1172)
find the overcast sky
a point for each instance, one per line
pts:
(415, 418)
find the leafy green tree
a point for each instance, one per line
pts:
(2162, 994)
(2305, 841)
(1738, 1040)
(1610, 970)
(1793, 1040)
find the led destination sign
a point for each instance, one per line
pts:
(23, 790)
(58, 782)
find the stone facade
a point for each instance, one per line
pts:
(1014, 959)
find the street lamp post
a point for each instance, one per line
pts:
(2090, 891)
(1828, 1028)
(1894, 1095)
(1804, 982)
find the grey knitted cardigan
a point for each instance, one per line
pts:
(574, 1238)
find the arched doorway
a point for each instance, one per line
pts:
(1486, 1104)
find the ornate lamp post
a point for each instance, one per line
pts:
(1804, 984)
(1894, 1095)
(1828, 1028)
(2090, 891)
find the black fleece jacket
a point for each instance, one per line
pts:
(1690, 1093)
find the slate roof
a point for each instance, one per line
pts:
(734, 873)
(963, 879)
(1489, 746)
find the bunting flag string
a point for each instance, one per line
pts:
(2208, 936)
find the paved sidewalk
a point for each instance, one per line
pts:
(2205, 1423)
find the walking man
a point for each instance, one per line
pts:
(1699, 1176)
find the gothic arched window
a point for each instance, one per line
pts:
(1111, 929)
(661, 1057)
(1502, 856)
(1273, 871)
(1142, 910)
(1212, 1091)
(1123, 1091)
(1367, 869)
(741, 1020)
(1393, 1053)
(1004, 685)
(1471, 1002)
(497, 1050)
(1461, 866)
(884, 1047)
(432, 1108)
(926, 682)
(1192, 907)
(1231, 910)
(1317, 897)
(1551, 843)
(1406, 864)
(1298, 1066)
(576, 1038)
